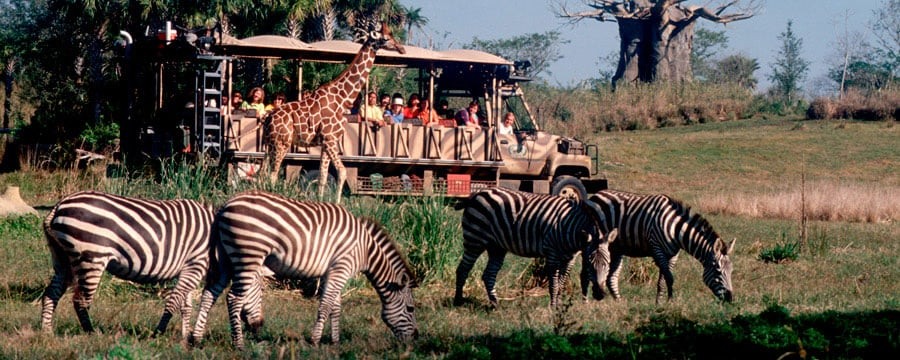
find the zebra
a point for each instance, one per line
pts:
(144, 241)
(303, 239)
(659, 226)
(500, 220)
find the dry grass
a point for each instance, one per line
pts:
(880, 105)
(825, 201)
(643, 106)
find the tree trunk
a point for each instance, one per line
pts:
(657, 48)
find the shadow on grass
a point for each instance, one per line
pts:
(767, 335)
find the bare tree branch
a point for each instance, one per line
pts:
(607, 10)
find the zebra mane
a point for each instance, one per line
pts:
(377, 230)
(700, 223)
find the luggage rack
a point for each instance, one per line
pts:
(395, 185)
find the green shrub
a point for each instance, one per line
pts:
(782, 251)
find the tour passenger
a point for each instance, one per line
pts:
(279, 100)
(412, 108)
(506, 127)
(372, 113)
(394, 114)
(469, 116)
(428, 115)
(257, 98)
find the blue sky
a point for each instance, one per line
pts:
(818, 22)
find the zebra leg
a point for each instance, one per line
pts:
(252, 312)
(330, 304)
(336, 320)
(62, 278)
(612, 281)
(489, 277)
(179, 299)
(246, 277)
(470, 255)
(58, 285)
(665, 279)
(87, 279)
(211, 292)
(235, 305)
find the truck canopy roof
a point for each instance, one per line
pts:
(274, 46)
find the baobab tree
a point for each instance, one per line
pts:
(656, 35)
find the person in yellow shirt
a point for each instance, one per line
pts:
(257, 102)
(279, 100)
(372, 112)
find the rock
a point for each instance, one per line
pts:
(11, 203)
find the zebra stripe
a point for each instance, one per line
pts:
(500, 220)
(144, 241)
(303, 240)
(659, 226)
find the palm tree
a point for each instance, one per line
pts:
(413, 18)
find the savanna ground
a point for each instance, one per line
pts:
(838, 298)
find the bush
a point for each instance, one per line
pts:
(782, 252)
(581, 112)
(856, 104)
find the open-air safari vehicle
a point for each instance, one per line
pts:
(399, 159)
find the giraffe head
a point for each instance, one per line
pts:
(378, 35)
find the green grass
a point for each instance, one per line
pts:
(838, 299)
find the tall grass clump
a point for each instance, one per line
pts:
(825, 201)
(639, 106)
(431, 235)
(857, 104)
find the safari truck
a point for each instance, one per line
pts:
(398, 159)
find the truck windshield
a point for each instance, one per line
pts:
(516, 105)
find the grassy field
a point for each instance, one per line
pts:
(840, 298)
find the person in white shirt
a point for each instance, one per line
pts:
(506, 126)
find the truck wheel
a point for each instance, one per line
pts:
(568, 186)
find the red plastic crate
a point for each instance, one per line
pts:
(459, 184)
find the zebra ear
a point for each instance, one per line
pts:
(722, 248)
(612, 236)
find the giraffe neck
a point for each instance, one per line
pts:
(351, 81)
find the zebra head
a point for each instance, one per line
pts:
(398, 310)
(717, 270)
(595, 264)
(595, 256)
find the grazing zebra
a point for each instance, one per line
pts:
(659, 226)
(144, 241)
(304, 239)
(500, 220)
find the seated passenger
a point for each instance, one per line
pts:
(444, 109)
(394, 114)
(371, 112)
(469, 116)
(412, 108)
(257, 98)
(428, 115)
(279, 100)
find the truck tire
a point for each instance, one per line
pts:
(568, 186)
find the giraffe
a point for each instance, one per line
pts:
(319, 118)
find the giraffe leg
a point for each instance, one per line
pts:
(342, 176)
(323, 175)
